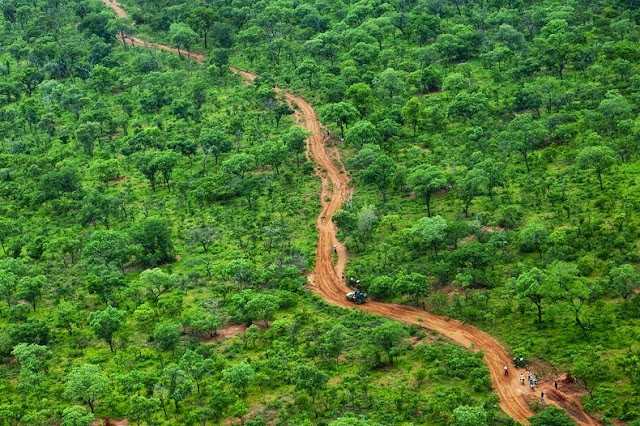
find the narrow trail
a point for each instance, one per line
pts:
(326, 281)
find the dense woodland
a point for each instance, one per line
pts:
(148, 201)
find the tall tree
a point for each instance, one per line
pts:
(202, 19)
(105, 324)
(311, 381)
(413, 113)
(341, 113)
(471, 185)
(183, 37)
(431, 231)
(533, 286)
(380, 173)
(30, 289)
(295, 139)
(86, 384)
(425, 180)
(524, 134)
(599, 158)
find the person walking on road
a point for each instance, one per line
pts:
(506, 370)
(531, 384)
(542, 397)
(521, 379)
(556, 385)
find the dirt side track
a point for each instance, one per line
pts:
(325, 279)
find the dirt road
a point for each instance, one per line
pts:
(326, 282)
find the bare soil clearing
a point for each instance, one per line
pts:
(230, 331)
(325, 279)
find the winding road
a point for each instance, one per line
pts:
(325, 279)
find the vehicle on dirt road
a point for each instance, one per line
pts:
(357, 297)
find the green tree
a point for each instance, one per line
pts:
(308, 70)
(599, 158)
(362, 133)
(178, 383)
(273, 153)
(333, 342)
(142, 409)
(262, 307)
(366, 222)
(197, 366)
(534, 238)
(389, 82)
(414, 285)
(425, 180)
(413, 113)
(556, 45)
(470, 416)
(202, 19)
(551, 416)
(280, 110)
(494, 171)
(145, 163)
(106, 323)
(108, 248)
(296, 140)
(30, 289)
(431, 231)
(361, 96)
(239, 376)
(87, 134)
(202, 321)
(623, 281)
(123, 27)
(104, 281)
(31, 357)
(7, 230)
(165, 162)
(215, 142)
(471, 185)
(238, 164)
(202, 235)
(167, 335)
(389, 337)
(380, 173)
(77, 416)
(576, 291)
(310, 380)
(591, 370)
(524, 134)
(104, 170)
(341, 113)
(66, 316)
(183, 37)
(86, 384)
(153, 234)
(533, 286)
(8, 284)
(466, 105)
(156, 283)
(615, 108)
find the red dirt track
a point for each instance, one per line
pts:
(325, 279)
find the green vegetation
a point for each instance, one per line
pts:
(494, 148)
(148, 201)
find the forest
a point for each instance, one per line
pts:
(159, 213)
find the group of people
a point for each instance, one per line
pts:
(531, 378)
